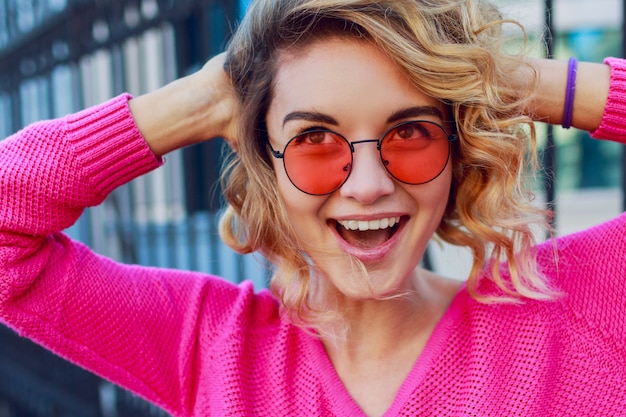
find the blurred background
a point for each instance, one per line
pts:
(59, 56)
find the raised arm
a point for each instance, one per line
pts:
(189, 110)
(548, 102)
(136, 326)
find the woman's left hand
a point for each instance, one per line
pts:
(192, 109)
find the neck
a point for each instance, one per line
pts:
(385, 338)
(377, 328)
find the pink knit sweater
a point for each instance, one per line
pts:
(197, 345)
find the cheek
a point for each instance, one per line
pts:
(436, 194)
(443, 193)
(303, 213)
(286, 190)
(299, 205)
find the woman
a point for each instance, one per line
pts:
(365, 128)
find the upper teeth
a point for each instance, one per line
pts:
(364, 225)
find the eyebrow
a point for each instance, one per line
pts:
(415, 111)
(310, 116)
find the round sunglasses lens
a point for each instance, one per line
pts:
(318, 162)
(415, 152)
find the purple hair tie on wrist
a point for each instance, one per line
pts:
(570, 89)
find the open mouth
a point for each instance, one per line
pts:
(367, 234)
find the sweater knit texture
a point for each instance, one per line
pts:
(197, 345)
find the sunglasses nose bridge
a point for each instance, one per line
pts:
(367, 179)
(356, 142)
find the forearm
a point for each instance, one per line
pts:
(548, 98)
(192, 109)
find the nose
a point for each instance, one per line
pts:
(368, 180)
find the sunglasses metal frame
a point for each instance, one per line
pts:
(451, 137)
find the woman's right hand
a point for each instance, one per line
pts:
(189, 110)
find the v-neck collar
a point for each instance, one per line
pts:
(344, 404)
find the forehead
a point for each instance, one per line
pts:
(345, 78)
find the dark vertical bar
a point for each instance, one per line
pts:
(16, 108)
(38, 11)
(119, 76)
(549, 153)
(52, 111)
(7, 116)
(11, 11)
(4, 24)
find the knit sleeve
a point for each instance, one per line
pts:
(52, 170)
(613, 124)
(138, 327)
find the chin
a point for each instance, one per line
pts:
(360, 283)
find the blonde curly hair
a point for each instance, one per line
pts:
(452, 50)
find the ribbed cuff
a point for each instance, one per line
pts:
(109, 145)
(613, 125)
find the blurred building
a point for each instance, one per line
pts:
(59, 56)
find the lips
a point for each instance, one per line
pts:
(367, 238)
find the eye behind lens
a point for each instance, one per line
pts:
(318, 168)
